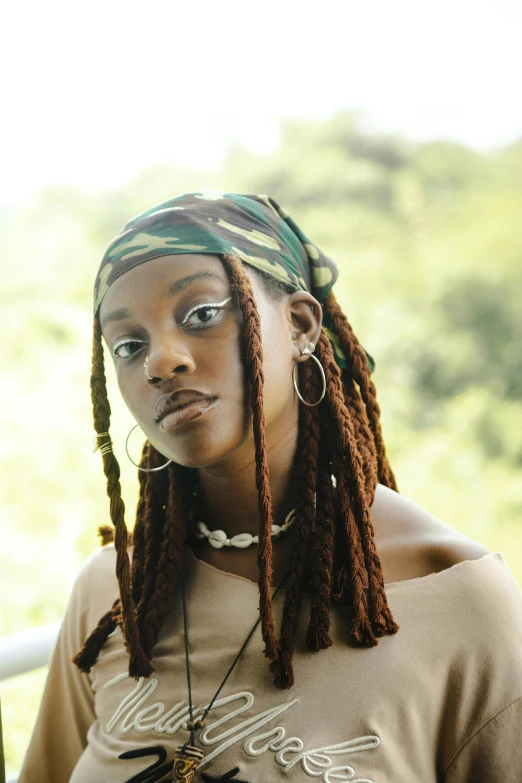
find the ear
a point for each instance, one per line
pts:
(305, 315)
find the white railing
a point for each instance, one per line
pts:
(28, 650)
(23, 652)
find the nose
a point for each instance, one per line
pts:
(167, 361)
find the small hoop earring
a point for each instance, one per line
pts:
(144, 470)
(294, 375)
(150, 378)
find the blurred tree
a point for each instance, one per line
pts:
(428, 243)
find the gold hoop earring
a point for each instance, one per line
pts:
(149, 377)
(144, 470)
(308, 351)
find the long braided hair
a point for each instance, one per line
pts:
(340, 458)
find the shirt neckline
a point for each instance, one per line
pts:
(418, 580)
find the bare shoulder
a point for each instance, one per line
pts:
(411, 542)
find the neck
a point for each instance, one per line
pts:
(231, 504)
(231, 497)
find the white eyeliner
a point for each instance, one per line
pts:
(203, 306)
(126, 341)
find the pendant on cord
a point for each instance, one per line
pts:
(187, 759)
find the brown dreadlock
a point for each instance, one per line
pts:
(340, 438)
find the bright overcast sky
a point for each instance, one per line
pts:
(92, 94)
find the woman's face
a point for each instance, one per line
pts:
(180, 312)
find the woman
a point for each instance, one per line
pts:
(262, 428)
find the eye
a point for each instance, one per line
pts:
(126, 349)
(200, 316)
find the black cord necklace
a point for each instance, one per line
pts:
(187, 757)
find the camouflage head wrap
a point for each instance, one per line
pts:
(254, 228)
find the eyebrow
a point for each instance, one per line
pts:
(185, 282)
(174, 288)
(115, 315)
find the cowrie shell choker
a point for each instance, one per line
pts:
(218, 538)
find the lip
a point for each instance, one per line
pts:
(182, 405)
(171, 402)
(189, 412)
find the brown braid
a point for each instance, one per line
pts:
(351, 483)
(253, 364)
(170, 557)
(157, 489)
(343, 464)
(364, 438)
(357, 361)
(317, 635)
(341, 437)
(139, 532)
(369, 457)
(102, 416)
(88, 655)
(307, 450)
(106, 533)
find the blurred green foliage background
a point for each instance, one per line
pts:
(428, 241)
